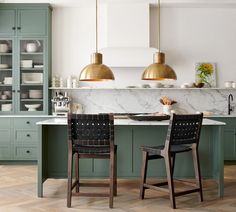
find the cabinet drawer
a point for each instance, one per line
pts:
(26, 136)
(25, 123)
(5, 123)
(5, 136)
(26, 152)
(5, 152)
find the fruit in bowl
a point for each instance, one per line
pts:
(32, 107)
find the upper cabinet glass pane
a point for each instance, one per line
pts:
(6, 79)
(31, 75)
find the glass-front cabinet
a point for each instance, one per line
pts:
(31, 75)
(6, 76)
(23, 76)
(25, 58)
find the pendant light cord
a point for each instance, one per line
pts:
(159, 26)
(96, 26)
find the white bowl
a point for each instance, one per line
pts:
(32, 107)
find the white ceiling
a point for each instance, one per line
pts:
(78, 3)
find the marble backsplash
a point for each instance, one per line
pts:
(147, 100)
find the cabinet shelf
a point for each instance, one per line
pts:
(5, 69)
(31, 100)
(32, 69)
(5, 54)
(32, 53)
(5, 100)
(5, 85)
(32, 84)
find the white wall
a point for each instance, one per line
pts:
(188, 35)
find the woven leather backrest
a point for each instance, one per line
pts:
(184, 129)
(91, 129)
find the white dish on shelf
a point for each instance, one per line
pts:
(3, 66)
(26, 63)
(6, 107)
(32, 107)
(35, 94)
(32, 78)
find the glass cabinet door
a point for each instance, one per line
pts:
(6, 76)
(31, 93)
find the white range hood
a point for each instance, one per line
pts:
(127, 35)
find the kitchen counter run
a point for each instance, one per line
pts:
(63, 121)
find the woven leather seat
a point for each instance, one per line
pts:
(183, 135)
(174, 149)
(91, 136)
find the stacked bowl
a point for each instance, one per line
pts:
(35, 94)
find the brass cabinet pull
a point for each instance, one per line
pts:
(28, 122)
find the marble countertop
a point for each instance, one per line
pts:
(63, 121)
(52, 116)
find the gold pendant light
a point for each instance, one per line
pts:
(159, 70)
(96, 71)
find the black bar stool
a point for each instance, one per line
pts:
(91, 136)
(183, 135)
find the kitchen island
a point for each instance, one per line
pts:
(129, 136)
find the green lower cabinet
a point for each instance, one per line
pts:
(124, 142)
(229, 138)
(18, 138)
(5, 139)
(5, 152)
(25, 152)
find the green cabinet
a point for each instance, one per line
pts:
(229, 138)
(24, 19)
(19, 138)
(25, 58)
(32, 22)
(7, 21)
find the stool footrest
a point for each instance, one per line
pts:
(90, 194)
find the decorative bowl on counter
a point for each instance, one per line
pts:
(198, 85)
(32, 107)
(149, 117)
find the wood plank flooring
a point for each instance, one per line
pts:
(18, 194)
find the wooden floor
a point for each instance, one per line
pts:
(18, 193)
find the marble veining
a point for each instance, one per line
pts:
(147, 101)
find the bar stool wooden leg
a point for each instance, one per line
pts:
(143, 173)
(173, 164)
(112, 175)
(197, 171)
(115, 173)
(69, 184)
(170, 180)
(77, 171)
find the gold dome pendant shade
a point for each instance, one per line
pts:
(96, 71)
(159, 70)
